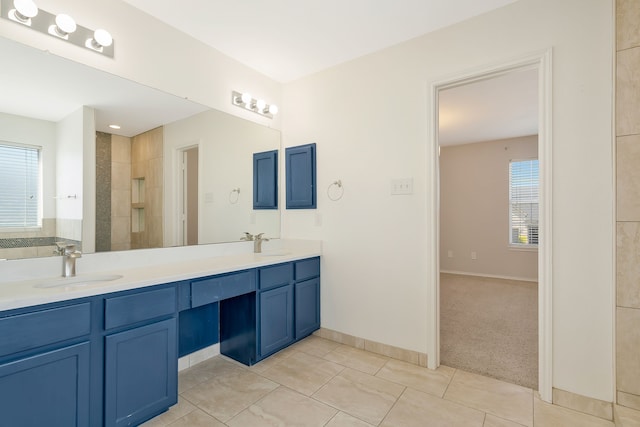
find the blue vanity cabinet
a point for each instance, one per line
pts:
(300, 164)
(307, 297)
(141, 355)
(45, 367)
(275, 308)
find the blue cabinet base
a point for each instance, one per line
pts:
(238, 328)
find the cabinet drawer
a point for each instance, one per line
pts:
(277, 275)
(36, 329)
(307, 268)
(137, 307)
(221, 287)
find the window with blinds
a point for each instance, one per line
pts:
(19, 186)
(523, 202)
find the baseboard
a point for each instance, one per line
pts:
(409, 356)
(625, 417)
(490, 276)
(629, 400)
(198, 357)
(584, 404)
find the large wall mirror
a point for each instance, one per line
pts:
(174, 173)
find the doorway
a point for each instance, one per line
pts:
(188, 196)
(541, 64)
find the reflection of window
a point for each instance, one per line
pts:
(20, 186)
(523, 202)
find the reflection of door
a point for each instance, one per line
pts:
(189, 196)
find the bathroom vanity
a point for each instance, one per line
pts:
(110, 356)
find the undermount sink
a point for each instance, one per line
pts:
(279, 252)
(80, 280)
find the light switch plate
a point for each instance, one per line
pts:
(402, 186)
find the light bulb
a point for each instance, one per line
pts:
(273, 109)
(26, 8)
(102, 37)
(65, 24)
(246, 98)
(261, 104)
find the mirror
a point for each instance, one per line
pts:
(66, 108)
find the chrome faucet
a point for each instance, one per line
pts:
(257, 243)
(247, 236)
(69, 256)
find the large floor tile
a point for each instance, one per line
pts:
(226, 395)
(205, 371)
(345, 420)
(493, 421)
(303, 372)
(360, 360)
(415, 408)
(423, 379)
(315, 346)
(179, 410)
(284, 407)
(197, 418)
(362, 395)
(547, 415)
(509, 401)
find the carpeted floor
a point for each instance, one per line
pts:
(490, 327)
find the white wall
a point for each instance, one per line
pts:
(226, 146)
(69, 134)
(474, 209)
(369, 118)
(25, 130)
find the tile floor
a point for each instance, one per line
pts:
(318, 382)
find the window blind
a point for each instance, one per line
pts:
(19, 189)
(523, 202)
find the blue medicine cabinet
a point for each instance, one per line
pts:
(301, 177)
(265, 180)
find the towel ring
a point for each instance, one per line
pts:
(233, 200)
(335, 191)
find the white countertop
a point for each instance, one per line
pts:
(24, 293)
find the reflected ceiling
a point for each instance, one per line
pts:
(52, 95)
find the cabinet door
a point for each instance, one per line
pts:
(141, 373)
(49, 389)
(307, 307)
(265, 180)
(276, 319)
(301, 177)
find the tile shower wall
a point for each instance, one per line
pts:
(147, 176)
(103, 192)
(628, 202)
(120, 193)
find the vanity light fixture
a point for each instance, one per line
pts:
(64, 25)
(101, 39)
(247, 102)
(61, 26)
(23, 11)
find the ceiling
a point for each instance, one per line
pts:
(48, 87)
(501, 107)
(289, 39)
(284, 39)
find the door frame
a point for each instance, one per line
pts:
(542, 62)
(179, 191)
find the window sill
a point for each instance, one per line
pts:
(523, 248)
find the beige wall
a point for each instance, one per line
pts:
(474, 209)
(628, 202)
